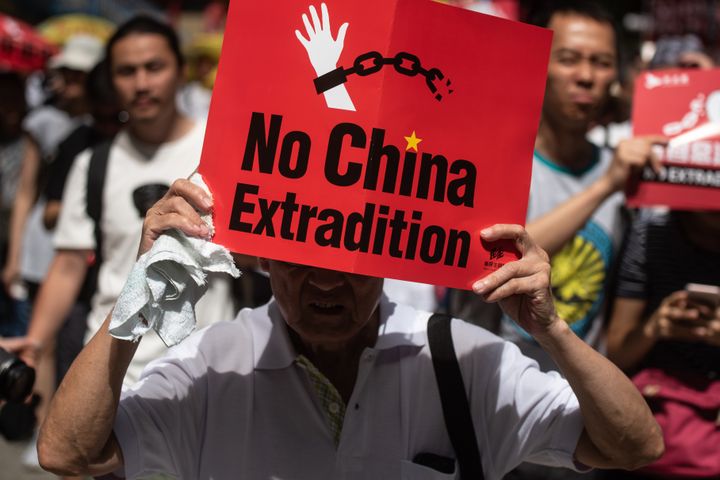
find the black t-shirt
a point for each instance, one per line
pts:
(78, 141)
(659, 260)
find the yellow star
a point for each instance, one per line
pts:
(412, 142)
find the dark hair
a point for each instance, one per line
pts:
(146, 24)
(98, 85)
(12, 92)
(543, 14)
(584, 8)
(669, 49)
(13, 106)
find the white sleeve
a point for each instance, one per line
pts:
(75, 229)
(534, 193)
(521, 414)
(160, 419)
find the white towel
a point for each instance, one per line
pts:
(166, 282)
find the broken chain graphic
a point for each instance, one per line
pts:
(404, 63)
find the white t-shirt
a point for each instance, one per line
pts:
(49, 126)
(130, 165)
(193, 100)
(580, 271)
(231, 402)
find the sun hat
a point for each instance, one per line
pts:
(81, 52)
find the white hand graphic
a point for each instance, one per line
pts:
(324, 53)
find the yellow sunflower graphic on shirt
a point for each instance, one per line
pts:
(579, 272)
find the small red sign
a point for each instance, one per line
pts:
(375, 137)
(683, 105)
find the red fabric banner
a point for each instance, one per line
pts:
(685, 106)
(374, 137)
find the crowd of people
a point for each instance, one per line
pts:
(564, 354)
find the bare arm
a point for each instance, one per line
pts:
(55, 299)
(557, 227)
(24, 200)
(620, 431)
(628, 339)
(77, 437)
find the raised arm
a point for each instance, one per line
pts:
(77, 438)
(557, 227)
(620, 431)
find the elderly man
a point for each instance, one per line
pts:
(331, 380)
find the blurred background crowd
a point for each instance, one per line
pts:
(56, 100)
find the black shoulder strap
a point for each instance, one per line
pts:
(455, 406)
(96, 180)
(94, 206)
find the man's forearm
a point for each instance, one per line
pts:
(57, 294)
(557, 227)
(76, 438)
(617, 420)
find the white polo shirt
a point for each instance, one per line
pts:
(231, 402)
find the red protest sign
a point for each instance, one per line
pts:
(685, 106)
(374, 137)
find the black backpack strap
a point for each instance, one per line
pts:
(455, 406)
(96, 180)
(97, 170)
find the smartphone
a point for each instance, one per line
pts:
(704, 294)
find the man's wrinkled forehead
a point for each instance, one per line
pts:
(574, 31)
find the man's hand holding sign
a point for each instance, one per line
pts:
(331, 379)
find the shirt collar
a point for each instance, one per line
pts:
(272, 348)
(400, 325)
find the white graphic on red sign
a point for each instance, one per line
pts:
(324, 52)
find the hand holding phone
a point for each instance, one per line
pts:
(706, 300)
(703, 295)
(682, 319)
